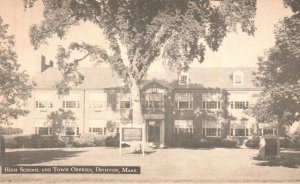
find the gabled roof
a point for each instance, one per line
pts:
(94, 78)
(219, 77)
(100, 78)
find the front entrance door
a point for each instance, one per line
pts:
(154, 131)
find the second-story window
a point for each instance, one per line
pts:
(123, 100)
(211, 105)
(97, 100)
(154, 100)
(183, 100)
(44, 100)
(211, 100)
(239, 104)
(71, 104)
(41, 104)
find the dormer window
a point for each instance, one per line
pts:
(183, 79)
(238, 78)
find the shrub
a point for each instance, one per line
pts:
(10, 130)
(36, 141)
(113, 141)
(286, 142)
(185, 140)
(87, 140)
(252, 143)
(23, 141)
(100, 140)
(10, 142)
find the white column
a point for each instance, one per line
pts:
(162, 134)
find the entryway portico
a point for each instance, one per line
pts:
(155, 129)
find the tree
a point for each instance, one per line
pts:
(278, 74)
(140, 32)
(61, 121)
(14, 83)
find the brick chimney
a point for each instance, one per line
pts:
(44, 65)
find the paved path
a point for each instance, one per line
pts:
(164, 165)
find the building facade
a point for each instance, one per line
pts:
(204, 101)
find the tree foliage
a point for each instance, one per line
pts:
(14, 83)
(279, 75)
(61, 119)
(181, 27)
(139, 32)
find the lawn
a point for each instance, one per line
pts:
(163, 165)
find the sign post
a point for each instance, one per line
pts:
(132, 134)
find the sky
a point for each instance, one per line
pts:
(237, 50)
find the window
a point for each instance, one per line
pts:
(239, 132)
(154, 100)
(265, 131)
(211, 105)
(71, 104)
(183, 100)
(183, 126)
(239, 104)
(72, 131)
(98, 126)
(183, 80)
(97, 100)
(43, 127)
(43, 104)
(212, 132)
(123, 100)
(211, 128)
(98, 130)
(238, 78)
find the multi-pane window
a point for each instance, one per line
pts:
(265, 131)
(238, 79)
(239, 104)
(40, 104)
(212, 132)
(71, 104)
(183, 126)
(43, 127)
(98, 130)
(211, 128)
(183, 100)
(72, 131)
(97, 100)
(154, 100)
(239, 132)
(123, 100)
(183, 80)
(98, 126)
(43, 130)
(211, 105)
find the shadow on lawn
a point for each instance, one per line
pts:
(288, 159)
(37, 156)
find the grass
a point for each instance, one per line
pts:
(163, 165)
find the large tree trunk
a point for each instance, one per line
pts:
(137, 114)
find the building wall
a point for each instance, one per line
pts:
(228, 118)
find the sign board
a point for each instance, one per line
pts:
(132, 134)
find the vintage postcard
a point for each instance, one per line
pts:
(149, 91)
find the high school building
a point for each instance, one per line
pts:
(209, 102)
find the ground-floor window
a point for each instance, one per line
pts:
(98, 130)
(212, 132)
(44, 130)
(72, 131)
(239, 132)
(183, 126)
(265, 131)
